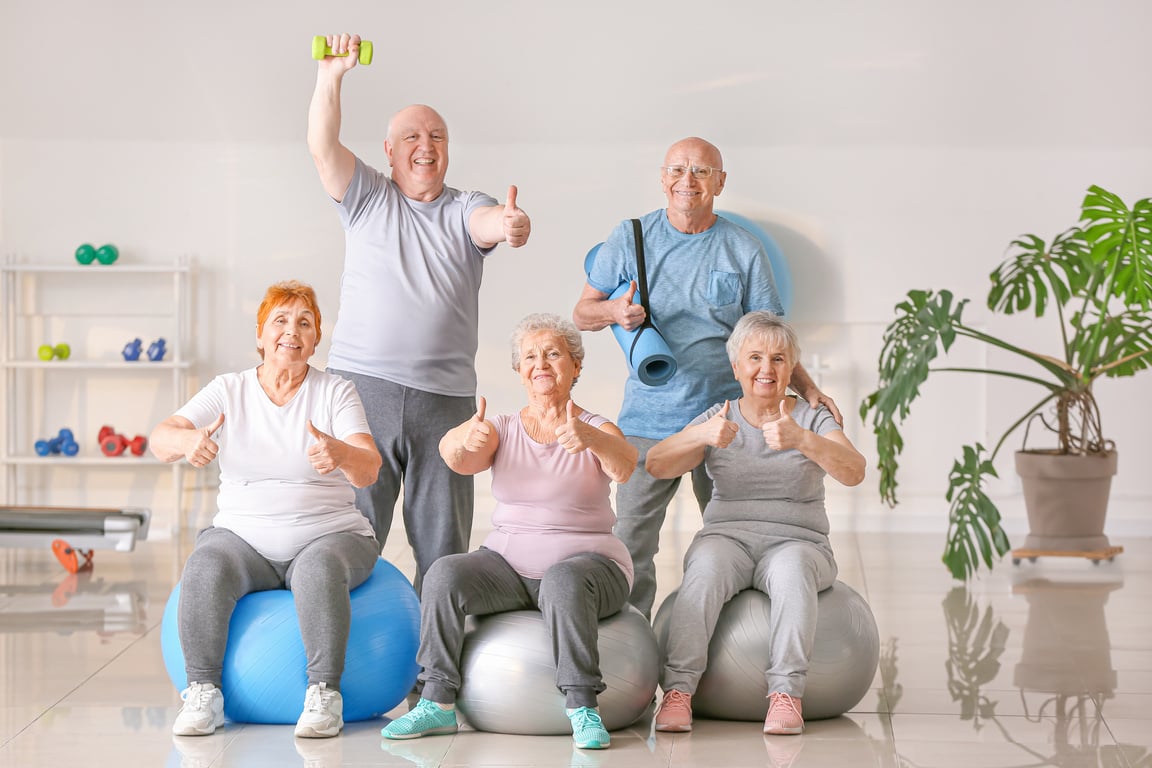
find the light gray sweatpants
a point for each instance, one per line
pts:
(716, 567)
(407, 425)
(573, 596)
(641, 506)
(224, 567)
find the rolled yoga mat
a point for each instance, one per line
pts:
(644, 348)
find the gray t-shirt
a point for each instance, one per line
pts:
(763, 491)
(409, 295)
(699, 286)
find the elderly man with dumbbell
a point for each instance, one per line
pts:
(407, 330)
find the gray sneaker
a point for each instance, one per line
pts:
(323, 715)
(203, 711)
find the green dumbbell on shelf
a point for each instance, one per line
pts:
(105, 254)
(46, 352)
(320, 49)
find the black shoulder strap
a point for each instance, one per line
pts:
(641, 273)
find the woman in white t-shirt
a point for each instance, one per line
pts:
(291, 442)
(552, 546)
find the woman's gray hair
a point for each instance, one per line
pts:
(543, 321)
(765, 325)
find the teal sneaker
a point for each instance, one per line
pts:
(425, 719)
(587, 729)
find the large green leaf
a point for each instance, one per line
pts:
(974, 531)
(1032, 271)
(1121, 244)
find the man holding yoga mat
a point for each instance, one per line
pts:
(703, 274)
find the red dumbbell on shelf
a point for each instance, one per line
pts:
(113, 444)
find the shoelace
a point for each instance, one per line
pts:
(589, 718)
(317, 698)
(783, 700)
(676, 700)
(197, 698)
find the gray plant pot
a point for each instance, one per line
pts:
(1066, 497)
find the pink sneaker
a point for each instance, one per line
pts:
(784, 714)
(675, 715)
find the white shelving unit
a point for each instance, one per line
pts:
(105, 305)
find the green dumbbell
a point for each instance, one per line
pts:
(86, 254)
(46, 352)
(320, 49)
(106, 254)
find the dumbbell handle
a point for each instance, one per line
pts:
(321, 49)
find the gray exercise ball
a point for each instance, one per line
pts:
(843, 664)
(509, 677)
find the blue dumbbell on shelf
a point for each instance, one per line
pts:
(131, 350)
(64, 443)
(156, 350)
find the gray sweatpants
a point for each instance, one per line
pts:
(407, 425)
(641, 505)
(716, 567)
(223, 568)
(573, 596)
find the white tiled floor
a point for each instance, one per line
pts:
(1048, 663)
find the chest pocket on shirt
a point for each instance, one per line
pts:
(724, 288)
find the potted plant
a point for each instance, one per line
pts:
(1097, 278)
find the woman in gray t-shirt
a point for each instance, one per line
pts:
(765, 528)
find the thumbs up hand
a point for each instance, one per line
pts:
(574, 435)
(325, 453)
(783, 433)
(479, 430)
(626, 313)
(517, 225)
(719, 431)
(201, 448)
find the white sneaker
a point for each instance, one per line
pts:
(203, 710)
(323, 714)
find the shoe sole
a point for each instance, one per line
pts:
(673, 728)
(308, 732)
(595, 745)
(784, 731)
(195, 731)
(429, 732)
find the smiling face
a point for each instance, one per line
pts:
(289, 335)
(764, 367)
(546, 365)
(687, 195)
(417, 149)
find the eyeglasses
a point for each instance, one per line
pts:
(697, 171)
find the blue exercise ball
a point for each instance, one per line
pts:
(509, 675)
(845, 655)
(264, 675)
(780, 271)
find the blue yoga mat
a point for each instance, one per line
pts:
(644, 348)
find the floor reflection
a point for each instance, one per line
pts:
(76, 602)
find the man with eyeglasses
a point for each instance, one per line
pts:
(704, 273)
(407, 331)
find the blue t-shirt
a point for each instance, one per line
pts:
(698, 287)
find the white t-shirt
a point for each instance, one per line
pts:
(270, 494)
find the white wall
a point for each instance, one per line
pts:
(886, 146)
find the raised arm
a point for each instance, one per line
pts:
(356, 456)
(494, 224)
(334, 162)
(616, 455)
(683, 451)
(471, 447)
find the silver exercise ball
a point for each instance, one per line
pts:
(843, 664)
(510, 678)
